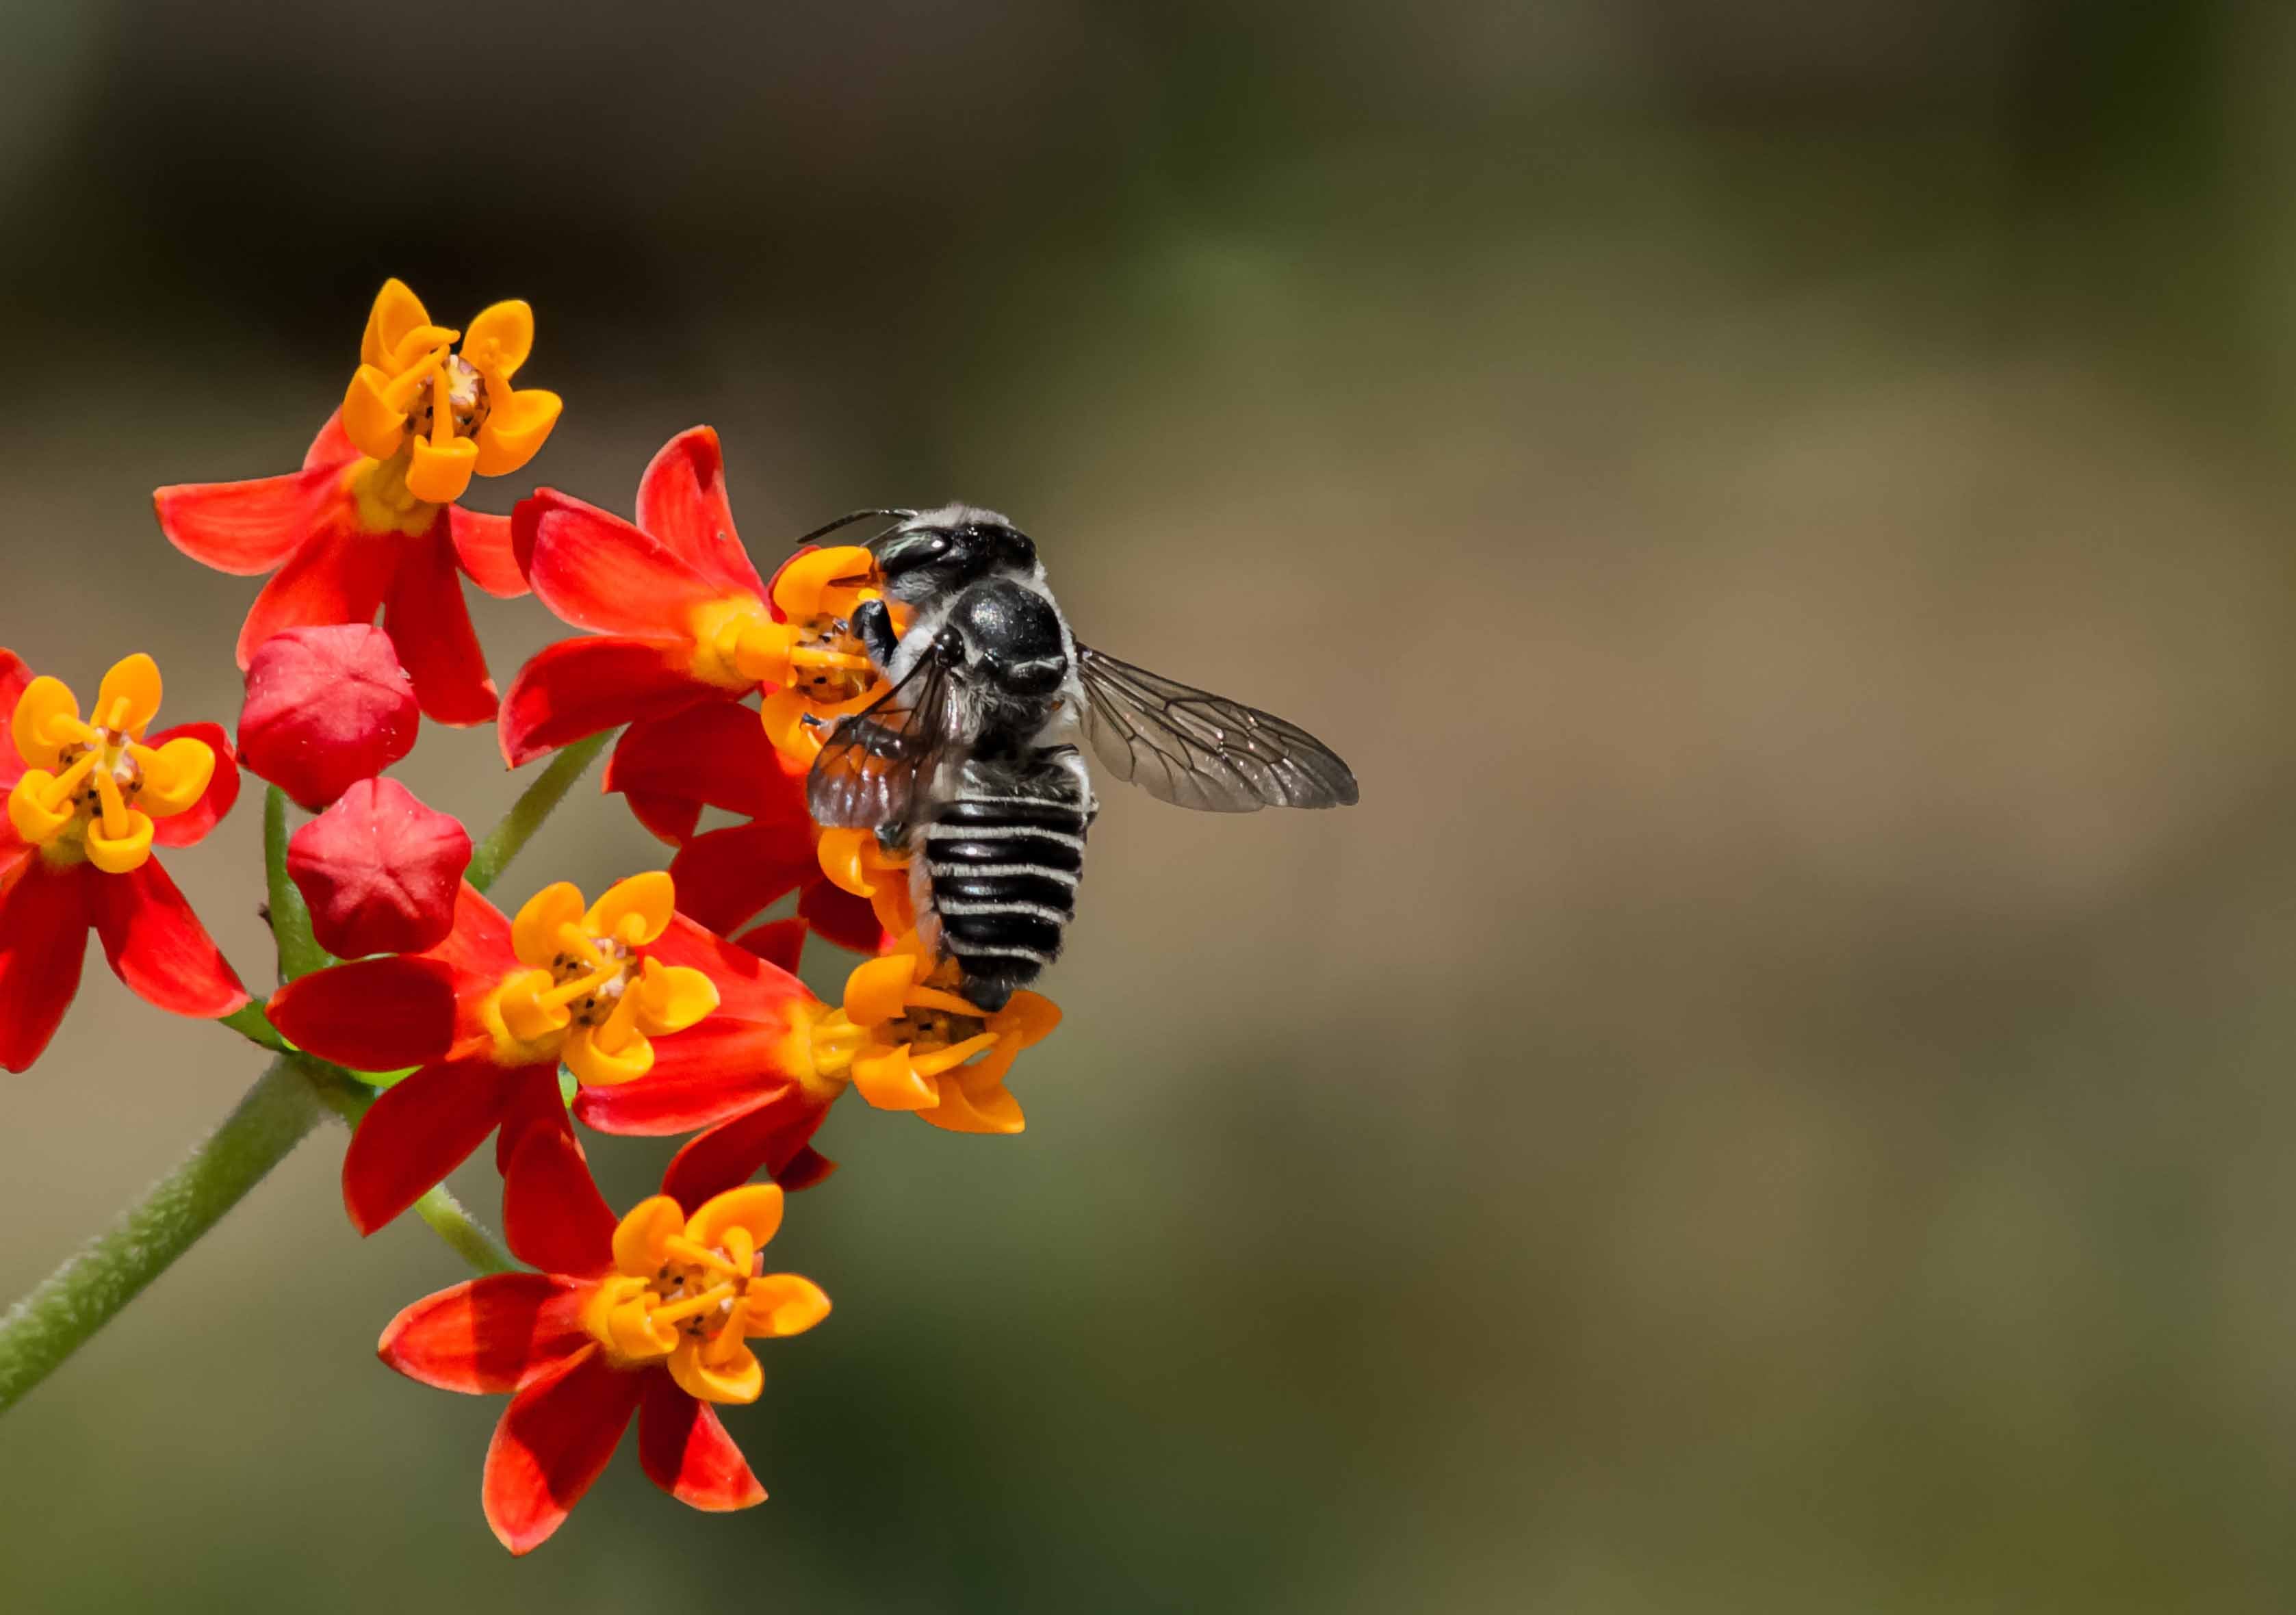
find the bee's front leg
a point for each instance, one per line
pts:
(873, 624)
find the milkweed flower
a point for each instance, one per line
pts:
(758, 1076)
(380, 871)
(716, 756)
(326, 707)
(678, 614)
(87, 802)
(371, 522)
(650, 1316)
(485, 1017)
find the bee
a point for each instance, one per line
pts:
(969, 762)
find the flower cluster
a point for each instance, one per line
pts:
(668, 1006)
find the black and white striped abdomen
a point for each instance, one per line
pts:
(1002, 853)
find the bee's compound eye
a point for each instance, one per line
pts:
(905, 552)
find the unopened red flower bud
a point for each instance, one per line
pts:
(380, 871)
(325, 707)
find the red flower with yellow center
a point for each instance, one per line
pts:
(87, 800)
(487, 1016)
(370, 523)
(677, 613)
(758, 1076)
(650, 1316)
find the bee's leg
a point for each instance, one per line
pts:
(875, 625)
(1069, 759)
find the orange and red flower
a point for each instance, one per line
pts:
(758, 1076)
(650, 1316)
(87, 802)
(487, 1017)
(370, 522)
(678, 615)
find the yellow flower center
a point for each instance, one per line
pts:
(689, 1292)
(587, 996)
(94, 788)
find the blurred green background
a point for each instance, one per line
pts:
(1778, 1101)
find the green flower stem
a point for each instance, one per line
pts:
(526, 814)
(251, 1023)
(299, 953)
(46, 1326)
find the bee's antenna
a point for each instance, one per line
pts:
(847, 520)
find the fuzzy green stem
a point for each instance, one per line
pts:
(46, 1326)
(534, 805)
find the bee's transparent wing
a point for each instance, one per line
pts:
(877, 763)
(1197, 749)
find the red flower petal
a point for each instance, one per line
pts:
(727, 875)
(774, 1137)
(338, 575)
(580, 687)
(686, 1451)
(555, 1439)
(489, 1335)
(682, 501)
(660, 1107)
(669, 820)
(423, 1128)
(553, 1217)
(749, 988)
(597, 571)
(431, 625)
(246, 528)
(15, 858)
(478, 949)
(43, 921)
(14, 676)
(482, 544)
(158, 946)
(716, 755)
(780, 943)
(381, 872)
(535, 1107)
(844, 919)
(183, 829)
(375, 1015)
(332, 446)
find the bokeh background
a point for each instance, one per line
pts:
(1779, 1098)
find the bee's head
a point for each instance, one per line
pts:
(935, 552)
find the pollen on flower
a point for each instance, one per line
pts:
(587, 993)
(94, 788)
(690, 1292)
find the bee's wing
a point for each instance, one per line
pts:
(1188, 747)
(877, 763)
